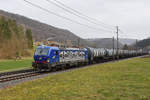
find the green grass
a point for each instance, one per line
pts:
(123, 80)
(8, 65)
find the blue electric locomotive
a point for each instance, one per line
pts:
(47, 57)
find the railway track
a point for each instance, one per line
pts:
(18, 76)
(15, 72)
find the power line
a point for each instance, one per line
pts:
(117, 32)
(73, 13)
(58, 15)
(135, 35)
(131, 34)
(84, 14)
(121, 31)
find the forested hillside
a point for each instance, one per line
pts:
(42, 31)
(144, 43)
(15, 40)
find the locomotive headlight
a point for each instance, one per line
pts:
(48, 60)
(40, 58)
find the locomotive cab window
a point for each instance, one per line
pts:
(41, 51)
(57, 53)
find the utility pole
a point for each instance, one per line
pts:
(78, 42)
(113, 48)
(117, 41)
(136, 47)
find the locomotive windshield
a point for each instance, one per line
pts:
(41, 51)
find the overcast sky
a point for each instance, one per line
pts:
(132, 16)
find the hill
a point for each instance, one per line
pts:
(144, 43)
(127, 41)
(105, 42)
(43, 31)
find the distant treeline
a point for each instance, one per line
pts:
(144, 43)
(15, 40)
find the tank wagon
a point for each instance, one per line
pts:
(48, 58)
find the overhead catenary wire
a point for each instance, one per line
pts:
(125, 34)
(96, 20)
(120, 30)
(76, 14)
(66, 18)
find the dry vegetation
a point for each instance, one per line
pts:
(14, 39)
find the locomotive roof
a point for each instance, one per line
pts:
(56, 48)
(48, 47)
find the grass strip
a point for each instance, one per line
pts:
(10, 65)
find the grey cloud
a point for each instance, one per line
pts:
(131, 15)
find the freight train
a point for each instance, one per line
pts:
(49, 58)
